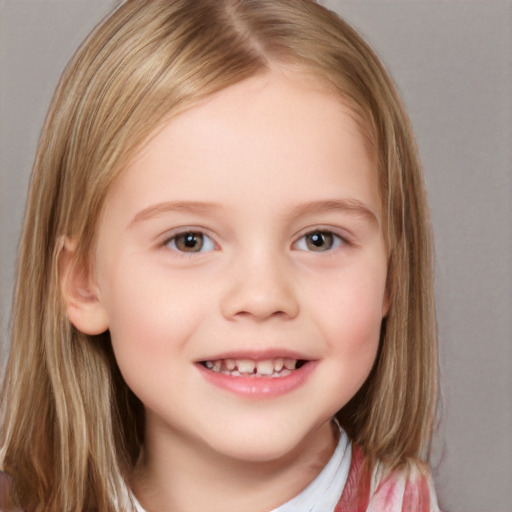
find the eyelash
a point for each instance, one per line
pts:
(207, 243)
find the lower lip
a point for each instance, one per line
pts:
(259, 387)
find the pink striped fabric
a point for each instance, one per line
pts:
(406, 490)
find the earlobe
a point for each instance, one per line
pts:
(385, 305)
(80, 292)
(387, 297)
(386, 300)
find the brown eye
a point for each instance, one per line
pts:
(318, 241)
(191, 241)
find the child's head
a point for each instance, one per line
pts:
(148, 63)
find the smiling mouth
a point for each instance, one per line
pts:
(273, 368)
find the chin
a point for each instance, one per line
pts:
(260, 452)
(263, 445)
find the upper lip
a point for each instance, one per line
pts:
(257, 355)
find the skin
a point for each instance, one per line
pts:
(255, 168)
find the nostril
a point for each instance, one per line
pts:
(262, 314)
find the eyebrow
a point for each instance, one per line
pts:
(155, 210)
(351, 206)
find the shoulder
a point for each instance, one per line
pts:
(408, 489)
(378, 489)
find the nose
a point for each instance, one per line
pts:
(260, 287)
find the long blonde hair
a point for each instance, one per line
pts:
(72, 430)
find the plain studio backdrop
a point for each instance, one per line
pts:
(452, 62)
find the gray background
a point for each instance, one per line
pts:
(452, 62)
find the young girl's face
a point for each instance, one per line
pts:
(241, 267)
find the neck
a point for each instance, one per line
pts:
(173, 475)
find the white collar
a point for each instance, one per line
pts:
(324, 492)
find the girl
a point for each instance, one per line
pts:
(224, 296)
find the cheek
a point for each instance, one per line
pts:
(150, 318)
(353, 337)
(352, 306)
(350, 319)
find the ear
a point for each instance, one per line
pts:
(385, 303)
(386, 299)
(79, 292)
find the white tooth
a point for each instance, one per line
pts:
(278, 364)
(229, 364)
(217, 366)
(209, 364)
(265, 367)
(284, 373)
(245, 365)
(290, 364)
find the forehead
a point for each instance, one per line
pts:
(266, 134)
(305, 90)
